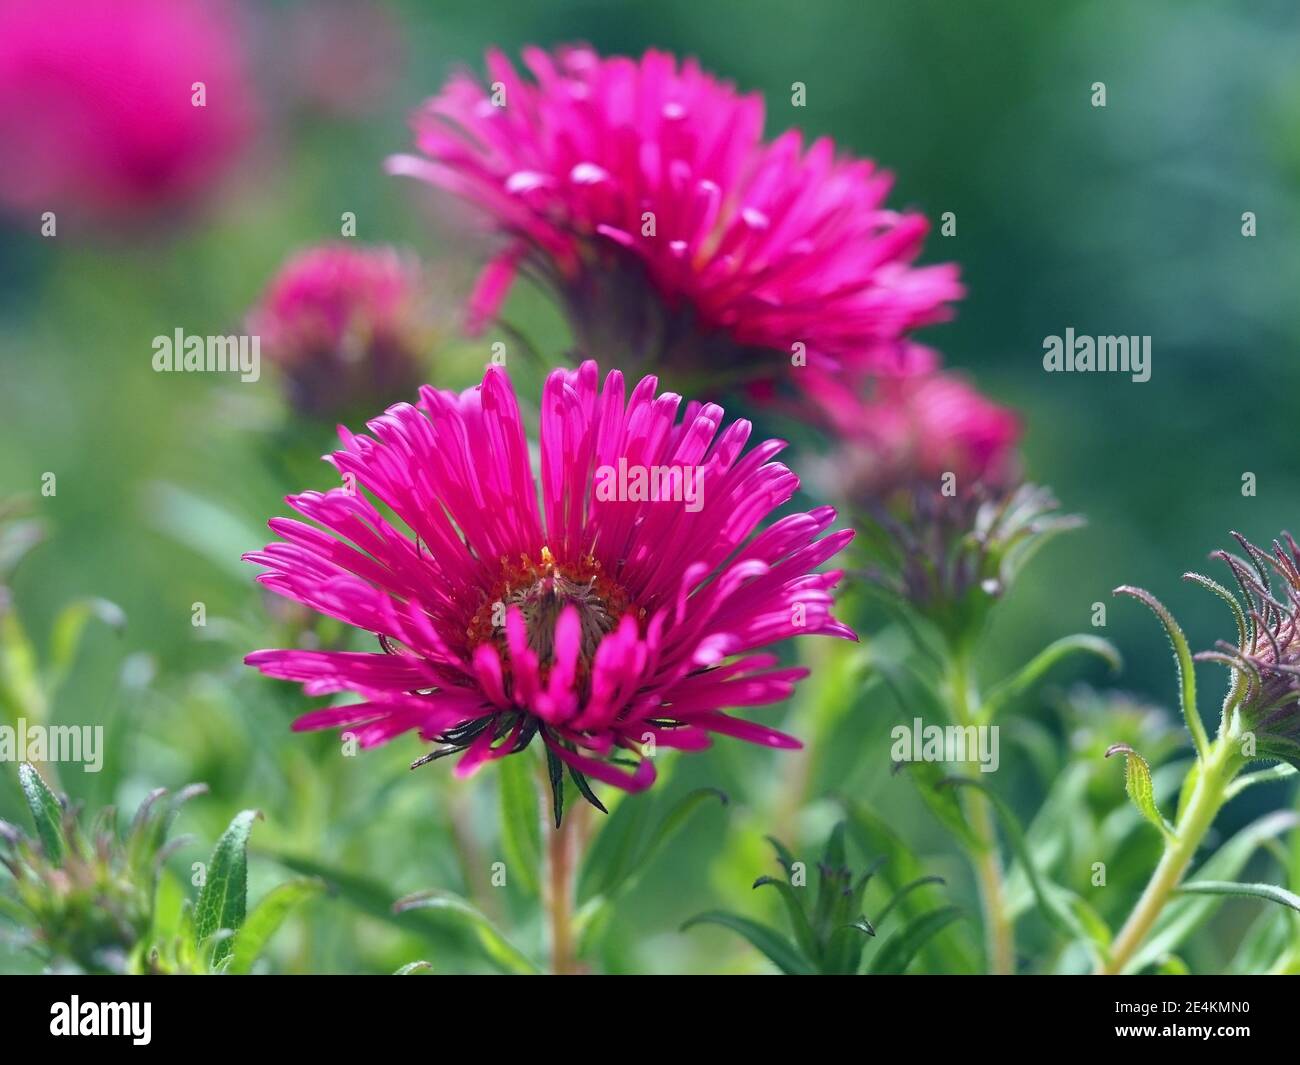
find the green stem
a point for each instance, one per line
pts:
(998, 930)
(1209, 793)
(564, 847)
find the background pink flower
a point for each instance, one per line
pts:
(95, 103)
(346, 325)
(920, 427)
(643, 191)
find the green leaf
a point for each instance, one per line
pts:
(897, 952)
(1218, 589)
(675, 819)
(584, 789)
(803, 932)
(412, 967)
(555, 774)
(374, 899)
(1183, 915)
(1183, 659)
(1230, 887)
(774, 946)
(617, 857)
(1266, 942)
(495, 946)
(943, 802)
(902, 893)
(1029, 675)
(20, 689)
(1056, 913)
(1137, 782)
(1264, 776)
(1173, 965)
(65, 637)
(224, 895)
(611, 854)
(265, 920)
(844, 950)
(834, 867)
(956, 952)
(46, 810)
(783, 855)
(521, 828)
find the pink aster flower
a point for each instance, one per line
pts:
(97, 110)
(642, 191)
(600, 621)
(921, 427)
(346, 326)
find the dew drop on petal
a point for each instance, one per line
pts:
(588, 174)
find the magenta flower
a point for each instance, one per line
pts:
(643, 192)
(97, 103)
(607, 620)
(918, 428)
(345, 324)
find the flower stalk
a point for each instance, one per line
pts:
(998, 929)
(563, 847)
(1209, 793)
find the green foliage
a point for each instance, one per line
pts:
(830, 930)
(101, 901)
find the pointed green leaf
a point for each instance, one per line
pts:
(412, 967)
(844, 950)
(1266, 942)
(20, 687)
(943, 802)
(1183, 659)
(617, 858)
(499, 950)
(224, 895)
(46, 810)
(1041, 663)
(803, 932)
(783, 855)
(774, 946)
(555, 774)
(903, 892)
(584, 789)
(265, 920)
(830, 887)
(1137, 782)
(675, 820)
(375, 900)
(1229, 887)
(1264, 776)
(521, 827)
(956, 952)
(612, 853)
(69, 626)
(898, 950)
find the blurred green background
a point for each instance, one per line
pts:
(1124, 219)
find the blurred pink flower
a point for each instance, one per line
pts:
(643, 192)
(346, 326)
(920, 427)
(593, 623)
(96, 104)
